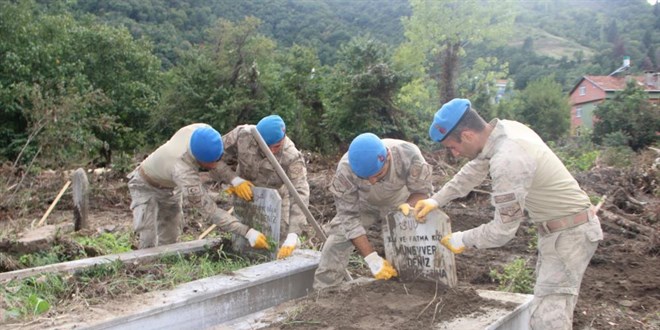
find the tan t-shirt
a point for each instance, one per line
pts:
(172, 165)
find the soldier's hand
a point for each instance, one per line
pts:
(380, 268)
(290, 244)
(423, 207)
(257, 239)
(405, 208)
(454, 242)
(242, 188)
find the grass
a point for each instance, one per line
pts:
(29, 297)
(107, 243)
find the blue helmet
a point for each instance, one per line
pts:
(272, 129)
(446, 119)
(206, 144)
(366, 155)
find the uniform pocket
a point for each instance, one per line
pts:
(594, 232)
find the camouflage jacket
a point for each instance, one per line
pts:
(409, 173)
(242, 152)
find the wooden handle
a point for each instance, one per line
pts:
(52, 205)
(207, 231)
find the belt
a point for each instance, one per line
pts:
(553, 226)
(151, 181)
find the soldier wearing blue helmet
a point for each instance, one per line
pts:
(530, 183)
(253, 168)
(373, 178)
(160, 182)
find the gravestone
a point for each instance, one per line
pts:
(414, 248)
(263, 213)
(80, 199)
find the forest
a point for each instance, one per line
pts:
(95, 82)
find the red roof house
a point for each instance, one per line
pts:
(593, 90)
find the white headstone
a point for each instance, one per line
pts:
(263, 213)
(414, 248)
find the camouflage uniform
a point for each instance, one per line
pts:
(360, 204)
(528, 176)
(158, 186)
(253, 165)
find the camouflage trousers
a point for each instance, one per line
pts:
(337, 250)
(157, 213)
(563, 259)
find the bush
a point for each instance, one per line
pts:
(515, 277)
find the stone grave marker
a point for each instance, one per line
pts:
(263, 213)
(414, 248)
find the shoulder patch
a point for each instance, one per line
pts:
(194, 194)
(508, 207)
(499, 199)
(341, 183)
(296, 168)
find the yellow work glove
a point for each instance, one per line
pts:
(257, 239)
(380, 268)
(405, 208)
(454, 242)
(241, 187)
(423, 207)
(290, 243)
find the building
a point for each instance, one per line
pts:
(593, 90)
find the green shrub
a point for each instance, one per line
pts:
(515, 277)
(620, 157)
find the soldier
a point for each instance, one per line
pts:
(372, 178)
(253, 168)
(171, 172)
(526, 176)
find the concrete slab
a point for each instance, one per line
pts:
(132, 256)
(211, 301)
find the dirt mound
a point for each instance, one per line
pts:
(387, 305)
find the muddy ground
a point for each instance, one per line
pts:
(620, 290)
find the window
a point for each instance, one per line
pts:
(583, 90)
(578, 112)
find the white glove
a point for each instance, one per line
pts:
(380, 268)
(454, 242)
(290, 243)
(236, 181)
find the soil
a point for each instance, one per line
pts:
(387, 305)
(620, 289)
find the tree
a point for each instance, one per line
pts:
(57, 70)
(439, 31)
(302, 76)
(629, 114)
(545, 108)
(220, 83)
(360, 94)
